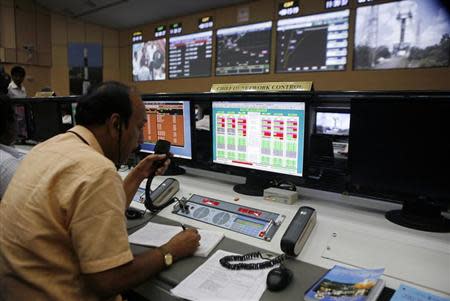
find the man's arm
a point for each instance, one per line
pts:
(145, 265)
(141, 172)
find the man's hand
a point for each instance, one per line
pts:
(183, 244)
(146, 166)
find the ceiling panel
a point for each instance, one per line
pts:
(128, 13)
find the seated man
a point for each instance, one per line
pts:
(9, 157)
(63, 231)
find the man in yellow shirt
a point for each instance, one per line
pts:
(63, 232)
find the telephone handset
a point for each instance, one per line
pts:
(163, 194)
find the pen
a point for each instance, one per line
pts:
(183, 226)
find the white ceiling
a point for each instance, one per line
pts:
(128, 13)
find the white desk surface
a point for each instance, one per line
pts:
(349, 231)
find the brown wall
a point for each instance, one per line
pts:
(263, 10)
(24, 24)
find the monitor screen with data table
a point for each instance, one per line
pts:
(190, 55)
(168, 120)
(313, 43)
(264, 136)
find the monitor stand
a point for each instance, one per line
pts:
(420, 215)
(174, 169)
(254, 186)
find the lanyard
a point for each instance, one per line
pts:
(79, 136)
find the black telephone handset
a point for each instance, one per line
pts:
(161, 147)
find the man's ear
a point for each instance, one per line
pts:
(115, 123)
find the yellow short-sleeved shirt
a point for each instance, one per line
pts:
(62, 215)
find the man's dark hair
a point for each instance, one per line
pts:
(18, 70)
(102, 101)
(7, 121)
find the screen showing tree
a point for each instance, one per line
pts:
(402, 34)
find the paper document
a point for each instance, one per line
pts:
(155, 235)
(212, 282)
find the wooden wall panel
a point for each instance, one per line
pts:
(110, 38)
(125, 64)
(58, 29)
(76, 31)
(26, 36)
(94, 33)
(43, 39)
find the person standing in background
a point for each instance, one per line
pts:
(15, 88)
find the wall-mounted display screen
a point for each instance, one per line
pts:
(402, 34)
(244, 49)
(266, 136)
(149, 60)
(190, 55)
(313, 43)
(332, 123)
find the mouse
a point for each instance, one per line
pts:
(132, 213)
(278, 279)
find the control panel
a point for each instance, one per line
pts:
(245, 220)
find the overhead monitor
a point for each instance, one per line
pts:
(168, 120)
(332, 123)
(263, 136)
(190, 55)
(402, 34)
(149, 60)
(313, 43)
(244, 49)
(399, 151)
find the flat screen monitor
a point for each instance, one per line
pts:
(400, 151)
(332, 123)
(244, 49)
(313, 43)
(402, 34)
(46, 120)
(149, 60)
(262, 136)
(168, 120)
(190, 55)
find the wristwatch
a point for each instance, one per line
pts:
(168, 258)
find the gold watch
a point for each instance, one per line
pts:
(168, 258)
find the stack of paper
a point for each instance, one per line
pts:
(211, 281)
(155, 235)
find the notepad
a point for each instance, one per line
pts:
(211, 281)
(155, 235)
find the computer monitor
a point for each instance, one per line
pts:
(264, 136)
(400, 151)
(149, 60)
(21, 122)
(169, 120)
(190, 55)
(332, 123)
(244, 49)
(402, 34)
(313, 43)
(46, 119)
